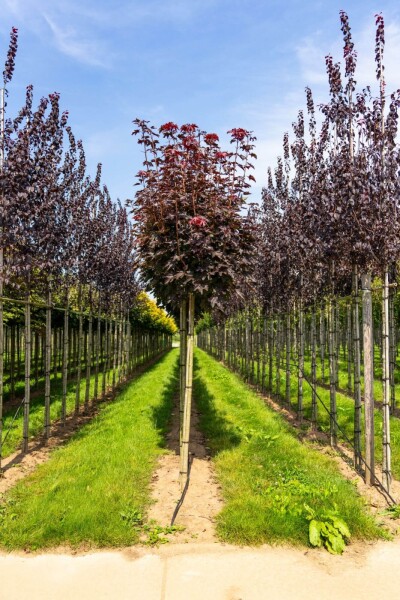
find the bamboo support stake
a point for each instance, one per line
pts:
(314, 408)
(97, 354)
(263, 353)
(65, 365)
(288, 348)
(349, 352)
(105, 360)
(12, 362)
(357, 374)
(182, 365)
(368, 379)
(88, 362)
(188, 395)
(47, 368)
(392, 346)
(278, 359)
(27, 376)
(332, 374)
(79, 357)
(301, 365)
(386, 470)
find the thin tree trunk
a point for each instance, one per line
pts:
(301, 364)
(27, 374)
(182, 365)
(47, 368)
(65, 364)
(349, 354)
(332, 375)
(12, 362)
(97, 354)
(357, 373)
(188, 395)
(392, 343)
(314, 408)
(79, 357)
(288, 348)
(387, 469)
(88, 362)
(368, 379)
(322, 342)
(278, 358)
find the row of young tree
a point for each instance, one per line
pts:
(67, 254)
(329, 240)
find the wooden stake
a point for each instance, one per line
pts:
(188, 395)
(47, 368)
(386, 470)
(368, 379)
(27, 375)
(357, 373)
(182, 365)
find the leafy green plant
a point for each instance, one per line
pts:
(330, 531)
(156, 534)
(393, 511)
(254, 434)
(132, 517)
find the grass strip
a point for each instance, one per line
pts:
(95, 489)
(345, 415)
(268, 476)
(36, 407)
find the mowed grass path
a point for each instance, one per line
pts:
(93, 490)
(268, 476)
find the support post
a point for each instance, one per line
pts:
(188, 395)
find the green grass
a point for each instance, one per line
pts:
(345, 412)
(267, 475)
(95, 489)
(36, 409)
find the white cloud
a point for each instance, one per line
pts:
(75, 44)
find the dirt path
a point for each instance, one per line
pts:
(202, 501)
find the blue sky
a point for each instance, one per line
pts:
(218, 63)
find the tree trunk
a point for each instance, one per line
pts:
(314, 408)
(386, 470)
(332, 374)
(182, 365)
(188, 395)
(301, 365)
(368, 379)
(47, 368)
(357, 374)
(79, 357)
(65, 364)
(288, 348)
(27, 374)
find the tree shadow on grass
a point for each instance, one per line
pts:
(219, 433)
(162, 413)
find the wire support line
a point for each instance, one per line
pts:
(378, 482)
(11, 424)
(185, 489)
(346, 438)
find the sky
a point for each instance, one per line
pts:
(218, 63)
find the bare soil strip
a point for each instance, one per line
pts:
(202, 501)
